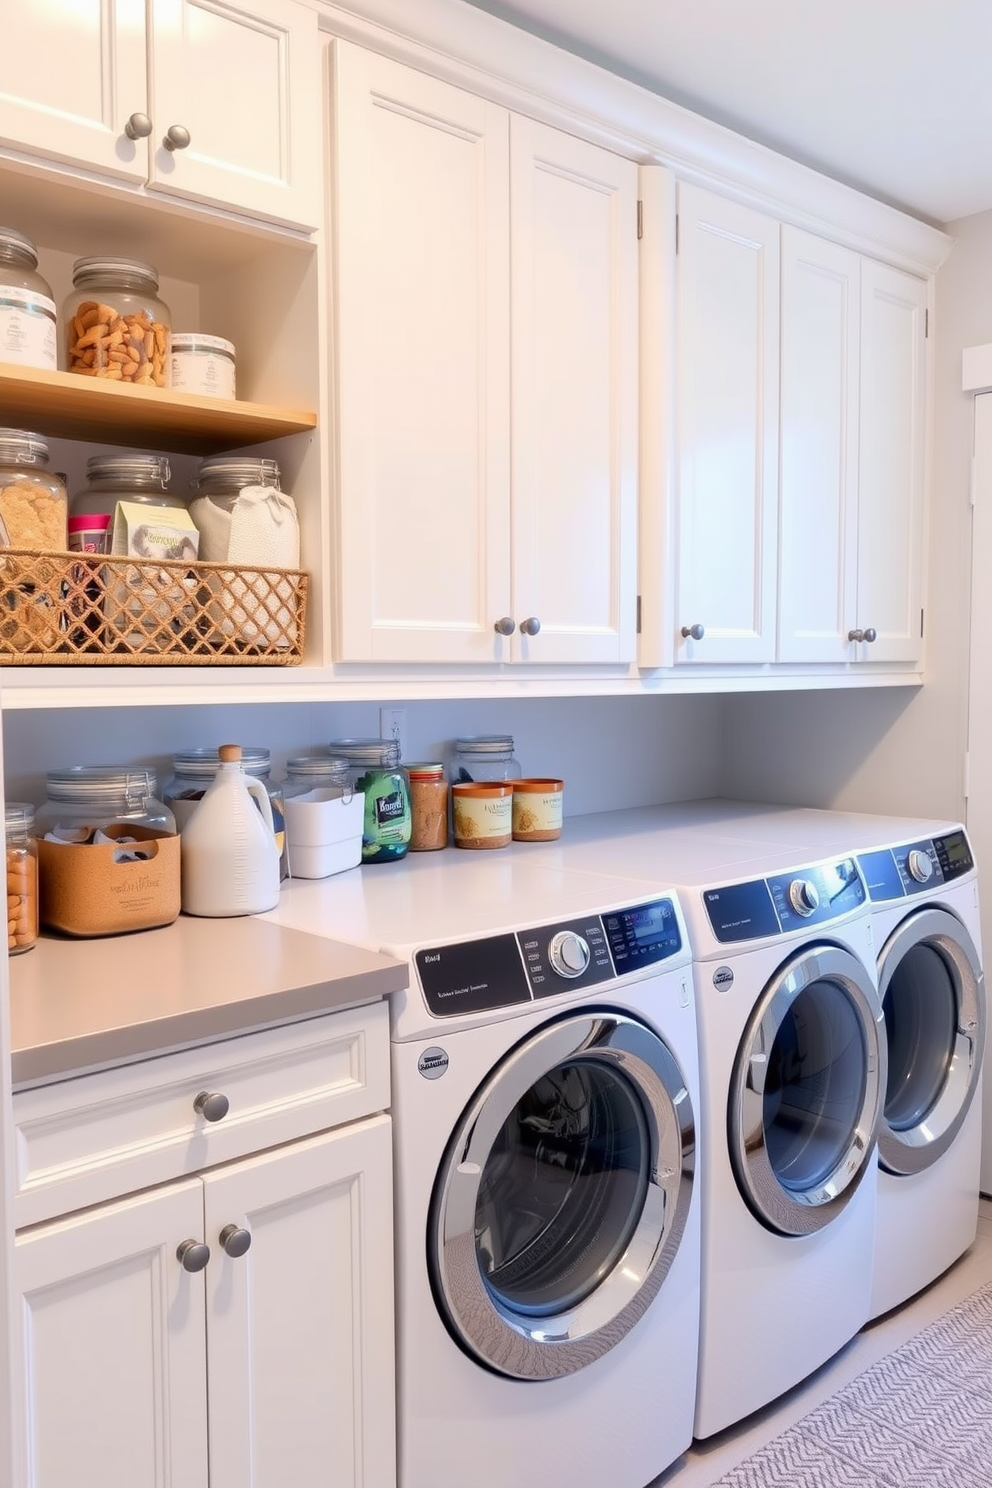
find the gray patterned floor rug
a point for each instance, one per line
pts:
(921, 1417)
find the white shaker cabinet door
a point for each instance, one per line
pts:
(573, 221)
(890, 487)
(300, 1325)
(241, 84)
(421, 325)
(818, 508)
(727, 390)
(71, 77)
(113, 1346)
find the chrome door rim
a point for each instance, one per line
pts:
(906, 1152)
(807, 1211)
(552, 1346)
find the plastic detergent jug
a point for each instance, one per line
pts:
(229, 861)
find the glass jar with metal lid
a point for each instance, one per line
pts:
(195, 769)
(221, 477)
(28, 336)
(22, 877)
(374, 768)
(323, 772)
(428, 806)
(82, 798)
(484, 757)
(33, 504)
(112, 478)
(116, 325)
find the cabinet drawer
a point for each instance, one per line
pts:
(82, 1141)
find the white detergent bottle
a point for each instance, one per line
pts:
(229, 857)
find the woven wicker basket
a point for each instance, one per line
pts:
(94, 610)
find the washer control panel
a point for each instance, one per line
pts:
(916, 867)
(789, 901)
(474, 976)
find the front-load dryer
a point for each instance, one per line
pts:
(547, 1229)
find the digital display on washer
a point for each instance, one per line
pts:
(644, 934)
(954, 854)
(741, 912)
(472, 976)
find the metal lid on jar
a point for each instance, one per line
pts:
(196, 763)
(385, 753)
(229, 470)
(485, 744)
(101, 783)
(426, 770)
(130, 469)
(21, 245)
(307, 765)
(20, 447)
(18, 818)
(99, 267)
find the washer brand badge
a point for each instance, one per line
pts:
(723, 978)
(433, 1063)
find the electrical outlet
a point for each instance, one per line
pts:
(392, 725)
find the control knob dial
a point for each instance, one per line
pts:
(919, 865)
(803, 896)
(568, 953)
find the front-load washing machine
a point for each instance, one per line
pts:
(545, 1091)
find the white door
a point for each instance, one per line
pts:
(818, 449)
(300, 1325)
(890, 483)
(727, 389)
(573, 218)
(113, 1346)
(243, 82)
(421, 329)
(71, 76)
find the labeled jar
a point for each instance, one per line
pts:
(202, 364)
(116, 326)
(428, 807)
(484, 757)
(83, 798)
(482, 813)
(28, 335)
(374, 769)
(33, 502)
(194, 771)
(22, 878)
(537, 809)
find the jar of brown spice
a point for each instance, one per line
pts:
(22, 877)
(428, 807)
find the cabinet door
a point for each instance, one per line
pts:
(113, 1346)
(244, 82)
(727, 380)
(300, 1327)
(574, 403)
(72, 76)
(890, 486)
(818, 502)
(421, 325)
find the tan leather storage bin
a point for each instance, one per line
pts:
(82, 891)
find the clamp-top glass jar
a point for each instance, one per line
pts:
(484, 757)
(22, 877)
(323, 772)
(374, 768)
(28, 336)
(33, 505)
(82, 798)
(116, 325)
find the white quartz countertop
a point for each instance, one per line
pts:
(77, 1004)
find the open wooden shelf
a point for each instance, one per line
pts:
(66, 406)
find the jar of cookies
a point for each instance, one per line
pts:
(33, 502)
(116, 326)
(22, 877)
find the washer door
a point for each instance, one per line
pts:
(806, 1091)
(563, 1196)
(933, 998)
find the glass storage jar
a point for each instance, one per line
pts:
(309, 772)
(116, 326)
(82, 798)
(22, 877)
(221, 477)
(428, 807)
(28, 335)
(374, 768)
(111, 478)
(484, 757)
(195, 769)
(33, 503)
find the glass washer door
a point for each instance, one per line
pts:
(806, 1091)
(933, 998)
(563, 1196)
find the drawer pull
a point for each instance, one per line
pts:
(211, 1106)
(235, 1240)
(193, 1255)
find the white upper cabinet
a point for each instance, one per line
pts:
(486, 440)
(204, 99)
(727, 314)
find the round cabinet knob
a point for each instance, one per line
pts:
(235, 1240)
(505, 627)
(176, 138)
(568, 954)
(693, 632)
(530, 626)
(855, 635)
(193, 1255)
(211, 1106)
(919, 865)
(803, 896)
(139, 126)
(871, 634)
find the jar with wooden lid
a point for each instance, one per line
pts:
(482, 813)
(428, 807)
(34, 507)
(28, 335)
(22, 877)
(116, 325)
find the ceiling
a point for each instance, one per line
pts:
(892, 96)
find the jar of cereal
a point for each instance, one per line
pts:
(33, 502)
